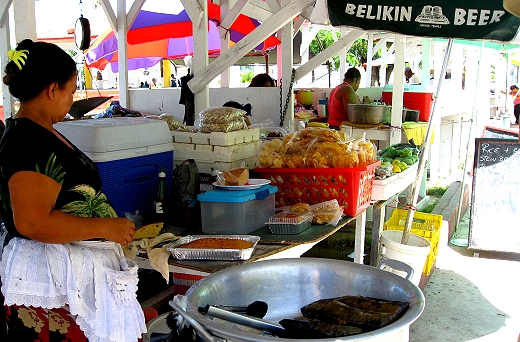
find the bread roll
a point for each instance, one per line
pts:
(236, 177)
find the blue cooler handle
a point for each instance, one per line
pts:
(262, 195)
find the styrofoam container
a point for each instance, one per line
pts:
(217, 138)
(208, 167)
(236, 212)
(383, 189)
(129, 153)
(215, 153)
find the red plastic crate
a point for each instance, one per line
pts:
(351, 187)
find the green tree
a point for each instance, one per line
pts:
(356, 55)
(246, 77)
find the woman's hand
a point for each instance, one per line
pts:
(119, 230)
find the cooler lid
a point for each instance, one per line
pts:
(239, 196)
(115, 134)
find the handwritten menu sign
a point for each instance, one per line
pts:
(495, 198)
(499, 133)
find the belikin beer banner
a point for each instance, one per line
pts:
(476, 19)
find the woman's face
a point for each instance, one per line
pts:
(65, 98)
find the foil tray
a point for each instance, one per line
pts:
(212, 254)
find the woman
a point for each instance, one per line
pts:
(516, 102)
(63, 273)
(262, 80)
(343, 95)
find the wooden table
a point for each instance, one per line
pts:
(271, 246)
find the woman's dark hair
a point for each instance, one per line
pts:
(260, 80)
(352, 74)
(233, 104)
(45, 63)
(513, 87)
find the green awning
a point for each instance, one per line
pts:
(456, 19)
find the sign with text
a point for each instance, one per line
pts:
(495, 198)
(479, 19)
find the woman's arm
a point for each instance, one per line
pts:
(33, 197)
(349, 96)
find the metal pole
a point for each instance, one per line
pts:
(426, 146)
(469, 138)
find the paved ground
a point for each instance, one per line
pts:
(471, 299)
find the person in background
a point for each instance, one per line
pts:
(173, 81)
(63, 272)
(153, 85)
(411, 77)
(262, 80)
(343, 95)
(146, 85)
(515, 94)
(247, 108)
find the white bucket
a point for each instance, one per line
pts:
(413, 254)
(156, 325)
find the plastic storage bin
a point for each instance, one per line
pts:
(129, 152)
(236, 212)
(414, 97)
(290, 223)
(426, 225)
(351, 187)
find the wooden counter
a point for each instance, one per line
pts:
(270, 246)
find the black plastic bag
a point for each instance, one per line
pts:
(186, 187)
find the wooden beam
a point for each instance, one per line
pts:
(109, 12)
(343, 43)
(232, 15)
(378, 46)
(297, 24)
(274, 5)
(194, 11)
(268, 27)
(122, 61)
(133, 12)
(258, 10)
(200, 56)
(4, 7)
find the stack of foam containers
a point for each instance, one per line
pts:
(218, 150)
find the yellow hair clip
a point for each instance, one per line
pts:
(18, 57)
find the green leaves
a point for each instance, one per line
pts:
(95, 204)
(51, 170)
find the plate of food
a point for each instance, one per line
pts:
(253, 183)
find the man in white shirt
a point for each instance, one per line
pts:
(411, 77)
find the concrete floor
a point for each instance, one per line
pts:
(469, 298)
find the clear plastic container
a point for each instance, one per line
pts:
(236, 212)
(289, 223)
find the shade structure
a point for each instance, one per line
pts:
(150, 26)
(104, 50)
(154, 36)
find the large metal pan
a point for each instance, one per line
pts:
(286, 285)
(368, 113)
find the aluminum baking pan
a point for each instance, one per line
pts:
(212, 254)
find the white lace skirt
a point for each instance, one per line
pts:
(93, 278)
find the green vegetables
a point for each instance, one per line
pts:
(399, 156)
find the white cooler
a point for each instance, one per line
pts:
(129, 152)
